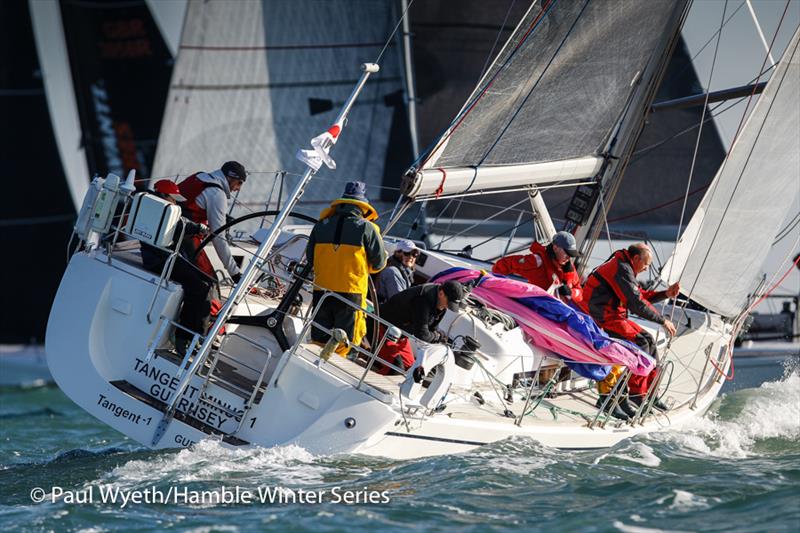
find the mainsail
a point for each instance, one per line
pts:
(547, 107)
(256, 80)
(721, 253)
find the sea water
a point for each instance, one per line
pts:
(737, 468)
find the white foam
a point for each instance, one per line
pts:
(529, 455)
(640, 529)
(637, 452)
(684, 501)
(770, 411)
(209, 460)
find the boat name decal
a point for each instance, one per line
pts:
(120, 412)
(165, 385)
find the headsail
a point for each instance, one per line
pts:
(722, 251)
(547, 107)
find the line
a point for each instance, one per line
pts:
(276, 47)
(439, 439)
(283, 85)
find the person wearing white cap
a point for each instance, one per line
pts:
(399, 272)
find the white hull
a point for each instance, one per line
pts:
(97, 345)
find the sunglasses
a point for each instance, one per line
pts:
(412, 253)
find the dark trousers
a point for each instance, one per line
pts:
(334, 313)
(196, 308)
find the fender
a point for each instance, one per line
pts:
(433, 357)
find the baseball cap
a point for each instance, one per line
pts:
(406, 245)
(566, 241)
(455, 294)
(235, 170)
(169, 188)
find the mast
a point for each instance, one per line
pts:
(411, 93)
(627, 134)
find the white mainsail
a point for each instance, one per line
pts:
(547, 108)
(721, 253)
(244, 78)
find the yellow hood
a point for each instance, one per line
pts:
(367, 210)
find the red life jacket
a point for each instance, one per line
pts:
(604, 300)
(543, 275)
(191, 188)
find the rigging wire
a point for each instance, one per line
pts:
(787, 230)
(697, 146)
(741, 174)
(496, 40)
(739, 322)
(394, 31)
(646, 149)
(470, 105)
(520, 104)
(691, 61)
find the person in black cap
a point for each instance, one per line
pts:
(548, 267)
(418, 310)
(345, 247)
(207, 196)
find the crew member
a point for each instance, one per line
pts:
(418, 311)
(610, 292)
(345, 247)
(196, 307)
(548, 267)
(207, 196)
(399, 272)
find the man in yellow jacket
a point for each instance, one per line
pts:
(345, 247)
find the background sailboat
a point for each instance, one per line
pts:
(255, 80)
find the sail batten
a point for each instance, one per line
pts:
(558, 88)
(720, 255)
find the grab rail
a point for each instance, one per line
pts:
(370, 355)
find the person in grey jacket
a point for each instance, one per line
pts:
(399, 272)
(207, 195)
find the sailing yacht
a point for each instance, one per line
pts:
(563, 102)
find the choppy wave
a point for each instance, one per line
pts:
(735, 467)
(744, 421)
(209, 460)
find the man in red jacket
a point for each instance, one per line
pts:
(547, 266)
(610, 291)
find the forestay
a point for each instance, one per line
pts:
(249, 74)
(721, 253)
(548, 106)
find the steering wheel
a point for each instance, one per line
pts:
(235, 221)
